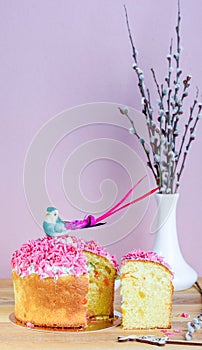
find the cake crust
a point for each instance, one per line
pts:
(39, 301)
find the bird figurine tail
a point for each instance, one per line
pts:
(54, 226)
(90, 220)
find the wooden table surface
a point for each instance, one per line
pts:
(17, 337)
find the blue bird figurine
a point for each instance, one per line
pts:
(53, 225)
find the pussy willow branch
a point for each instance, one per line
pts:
(191, 138)
(142, 142)
(147, 108)
(163, 143)
(187, 125)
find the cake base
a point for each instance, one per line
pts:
(94, 325)
(39, 302)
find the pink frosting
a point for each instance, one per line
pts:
(91, 246)
(54, 257)
(142, 255)
(48, 257)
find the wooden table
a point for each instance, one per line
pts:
(15, 337)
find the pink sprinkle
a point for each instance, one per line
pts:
(46, 257)
(163, 330)
(178, 330)
(166, 332)
(142, 255)
(185, 315)
(30, 325)
(169, 333)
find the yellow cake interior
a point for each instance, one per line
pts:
(146, 290)
(100, 296)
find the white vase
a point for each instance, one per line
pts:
(166, 242)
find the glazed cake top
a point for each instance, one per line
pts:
(93, 247)
(90, 246)
(145, 256)
(48, 257)
(55, 257)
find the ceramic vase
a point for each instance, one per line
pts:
(166, 242)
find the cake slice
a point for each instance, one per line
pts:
(146, 290)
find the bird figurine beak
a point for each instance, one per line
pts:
(47, 213)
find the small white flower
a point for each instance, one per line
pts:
(196, 323)
(199, 116)
(188, 336)
(190, 328)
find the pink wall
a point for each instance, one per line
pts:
(56, 55)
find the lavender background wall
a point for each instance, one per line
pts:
(56, 55)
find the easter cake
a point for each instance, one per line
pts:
(61, 282)
(146, 290)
